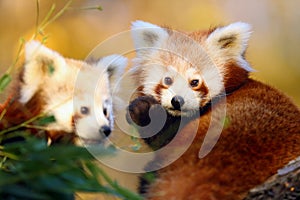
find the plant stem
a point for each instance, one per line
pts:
(37, 16)
(8, 155)
(39, 30)
(46, 23)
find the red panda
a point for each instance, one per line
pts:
(190, 73)
(75, 92)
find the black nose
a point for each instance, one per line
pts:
(105, 130)
(177, 102)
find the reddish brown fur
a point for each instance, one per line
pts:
(158, 89)
(263, 135)
(17, 113)
(202, 88)
(234, 77)
(140, 90)
(201, 35)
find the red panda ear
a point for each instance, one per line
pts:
(230, 42)
(146, 35)
(40, 62)
(36, 52)
(115, 66)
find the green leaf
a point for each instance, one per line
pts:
(150, 177)
(45, 120)
(53, 183)
(3, 177)
(29, 145)
(99, 8)
(226, 122)
(22, 41)
(54, 172)
(90, 8)
(44, 39)
(20, 192)
(61, 152)
(4, 81)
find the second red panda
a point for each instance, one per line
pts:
(185, 73)
(78, 94)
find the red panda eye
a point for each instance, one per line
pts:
(194, 83)
(168, 81)
(84, 110)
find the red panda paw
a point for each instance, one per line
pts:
(138, 110)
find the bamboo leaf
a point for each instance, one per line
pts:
(21, 192)
(45, 120)
(4, 81)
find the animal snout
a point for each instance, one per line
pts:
(106, 130)
(177, 102)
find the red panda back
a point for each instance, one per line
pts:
(261, 136)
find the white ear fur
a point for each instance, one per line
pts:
(115, 66)
(40, 62)
(230, 42)
(34, 50)
(147, 35)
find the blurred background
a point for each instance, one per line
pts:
(273, 49)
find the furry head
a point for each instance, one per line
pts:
(184, 71)
(78, 94)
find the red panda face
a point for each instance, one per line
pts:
(179, 87)
(185, 71)
(93, 114)
(74, 92)
(93, 106)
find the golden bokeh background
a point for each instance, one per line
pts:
(274, 45)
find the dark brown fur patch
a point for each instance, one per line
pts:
(75, 118)
(203, 89)
(150, 38)
(62, 137)
(21, 75)
(234, 77)
(203, 92)
(140, 90)
(17, 113)
(227, 41)
(157, 90)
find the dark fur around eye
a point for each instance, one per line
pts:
(84, 110)
(105, 111)
(194, 83)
